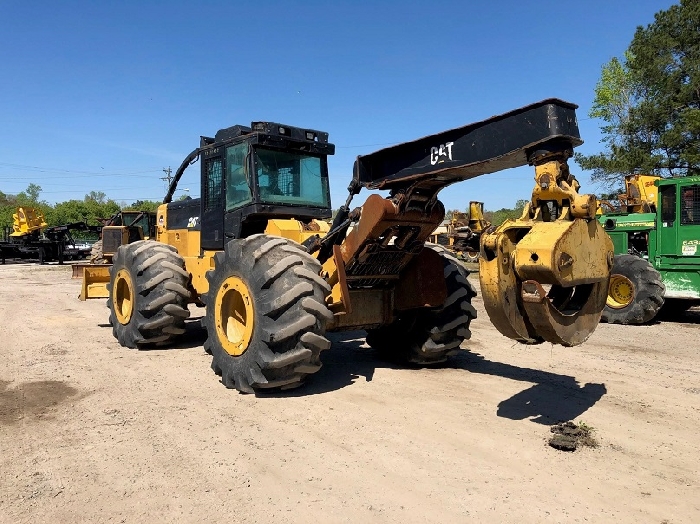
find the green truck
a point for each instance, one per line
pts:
(657, 254)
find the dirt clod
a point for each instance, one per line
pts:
(569, 436)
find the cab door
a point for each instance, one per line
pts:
(678, 240)
(667, 231)
(213, 200)
(689, 228)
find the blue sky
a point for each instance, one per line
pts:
(102, 96)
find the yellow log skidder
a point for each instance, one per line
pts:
(275, 277)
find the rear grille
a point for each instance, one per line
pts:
(111, 240)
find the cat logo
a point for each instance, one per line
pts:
(439, 154)
(192, 222)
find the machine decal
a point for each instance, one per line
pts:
(438, 154)
(690, 247)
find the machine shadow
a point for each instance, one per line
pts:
(691, 316)
(343, 364)
(551, 399)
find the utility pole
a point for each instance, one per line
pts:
(168, 176)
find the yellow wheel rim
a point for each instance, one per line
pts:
(234, 315)
(123, 296)
(620, 292)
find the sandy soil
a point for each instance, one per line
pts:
(92, 432)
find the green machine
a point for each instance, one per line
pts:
(657, 255)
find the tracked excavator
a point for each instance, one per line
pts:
(275, 277)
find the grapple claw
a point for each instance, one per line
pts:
(567, 319)
(544, 277)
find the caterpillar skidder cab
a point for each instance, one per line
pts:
(275, 277)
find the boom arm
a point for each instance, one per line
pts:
(426, 165)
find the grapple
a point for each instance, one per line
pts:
(544, 277)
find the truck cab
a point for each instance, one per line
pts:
(675, 242)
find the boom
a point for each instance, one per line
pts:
(500, 142)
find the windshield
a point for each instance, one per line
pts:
(129, 216)
(291, 178)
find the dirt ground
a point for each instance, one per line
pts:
(93, 432)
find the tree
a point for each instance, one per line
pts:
(96, 196)
(3, 198)
(33, 191)
(30, 196)
(649, 101)
(145, 205)
(498, 217)
(80, 210)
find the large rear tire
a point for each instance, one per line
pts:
(636, 292)
(429, 336)
(266, 314)
(148, 294)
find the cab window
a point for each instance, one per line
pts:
(213, 190)
(295, 178)
(668, 205)
(237, 188)
(690, 205)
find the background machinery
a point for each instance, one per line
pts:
(123, 227)
(275, 277)
(464, 232)
(639, 196)
(32, 238)
(657, 249)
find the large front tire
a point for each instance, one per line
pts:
(429, 336)
(636, 292)
(148, 294)
(266, 314)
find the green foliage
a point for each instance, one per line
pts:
(91, 209)
(498, 217)
(96, 196)
(33, 191)
(87, 210)
(147, 205)
(649, 101)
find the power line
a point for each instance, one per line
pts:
(57, 169)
